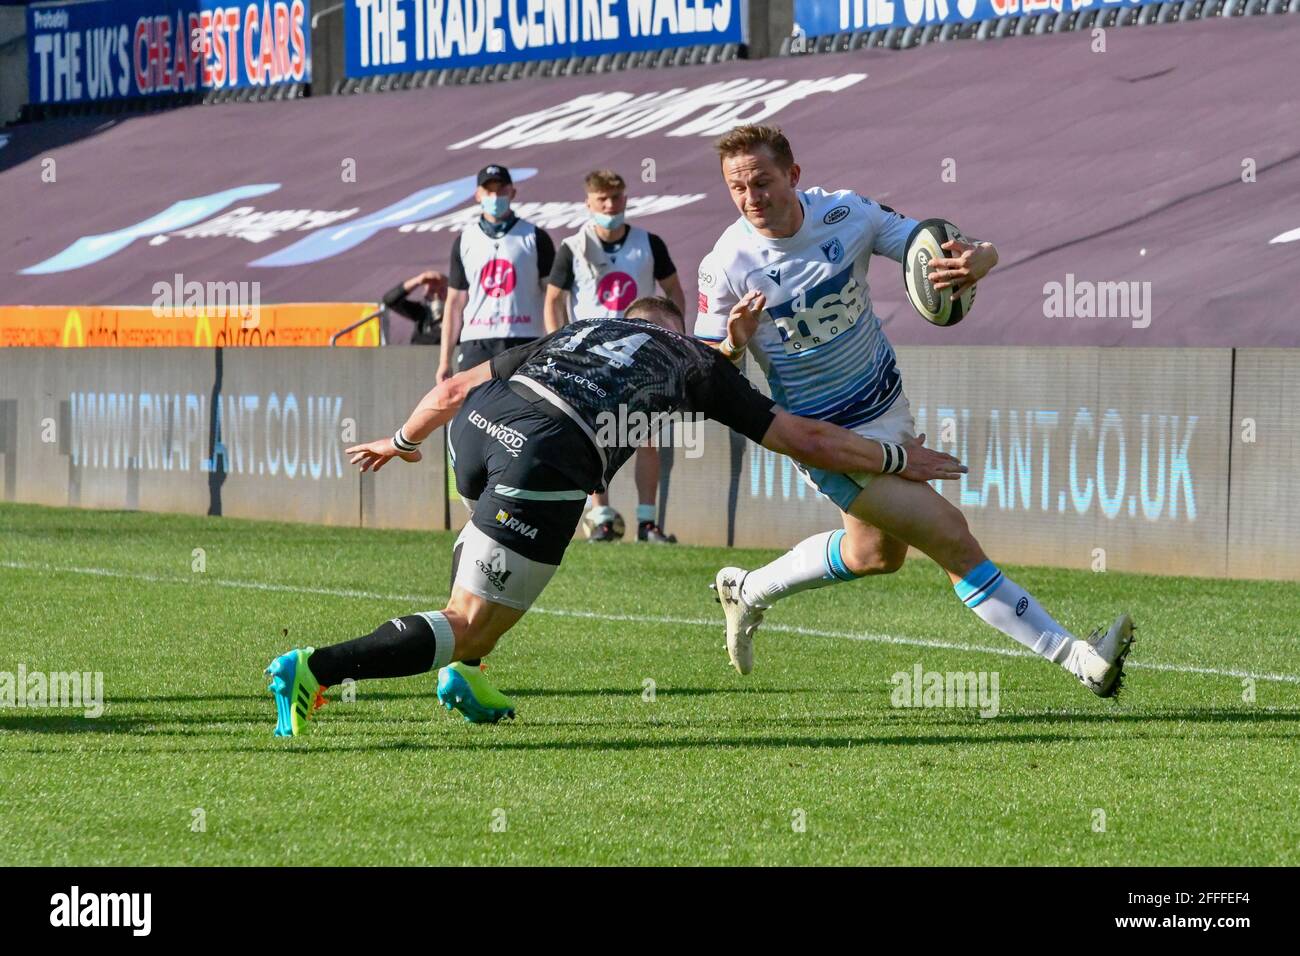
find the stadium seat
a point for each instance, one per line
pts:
(931, 33)
(1007, 26)
(1025, 25)
(1149, 14)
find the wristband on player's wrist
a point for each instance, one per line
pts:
(402, 443)
(895, 457)
(728, 348)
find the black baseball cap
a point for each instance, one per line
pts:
(499, 173)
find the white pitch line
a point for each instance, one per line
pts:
(629, 618)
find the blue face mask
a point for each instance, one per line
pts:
(495, 205)
(612, 221)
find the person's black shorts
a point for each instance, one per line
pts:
(525, 466)
(471, 353)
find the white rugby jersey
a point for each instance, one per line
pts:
(505, 293)
(604, 283)
(819, 341)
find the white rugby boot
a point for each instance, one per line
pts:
(743, 618)
(1098, 662)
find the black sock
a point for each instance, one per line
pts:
(473, 663)
(397, 648)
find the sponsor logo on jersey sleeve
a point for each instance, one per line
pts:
(703, 302)
(835, 215)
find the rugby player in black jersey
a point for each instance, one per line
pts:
(529, 442)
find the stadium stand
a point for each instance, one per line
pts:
(1038, 191)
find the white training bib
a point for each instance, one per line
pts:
(505, 295)
(606, 283)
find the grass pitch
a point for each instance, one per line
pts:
(805, 761)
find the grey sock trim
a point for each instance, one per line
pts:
(444, 637)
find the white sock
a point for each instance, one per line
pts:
(1000, 602)
(602, 513)
(812, 563)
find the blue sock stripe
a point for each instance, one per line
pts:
(977, 599)
(835, 565)
(979, 584)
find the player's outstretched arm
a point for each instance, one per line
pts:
(436, 409)
(823, 445)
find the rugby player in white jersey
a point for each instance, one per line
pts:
(788, 282)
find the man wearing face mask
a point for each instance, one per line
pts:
(598, 273)
(498, 270)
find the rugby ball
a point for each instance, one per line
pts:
(936, 306)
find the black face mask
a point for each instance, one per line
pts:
(495, 230)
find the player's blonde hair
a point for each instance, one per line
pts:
(604, 181)
(746, 139)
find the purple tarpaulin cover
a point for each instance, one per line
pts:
(1130, 165)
